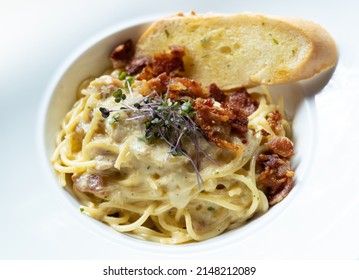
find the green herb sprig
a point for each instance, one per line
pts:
(129, 80)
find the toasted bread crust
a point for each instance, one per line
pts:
(243, 50)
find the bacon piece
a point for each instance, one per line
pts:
(281, 146)
(146, 73)
(215, 123)
(91, 183)
(193, 89)
(137, 64)
(176, 87)
(169, 63)
(275, 121)
(240, 102)
(279, 196)
(122, 54)
(216, 93)
(275, 177)
(177, 51)
(242, 105)
(159, 84)
(240, 124)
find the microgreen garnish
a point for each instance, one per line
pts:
(128, 80)
(137, 105)
(165, 119)
(122, 75)
(105, 112)
(119, 95)
(116, 117)
(128, 83)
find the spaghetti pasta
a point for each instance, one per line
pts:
(139, 188)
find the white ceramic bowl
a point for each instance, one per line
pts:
(91, 59)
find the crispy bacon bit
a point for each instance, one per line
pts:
(176, 87)
(275, 177)
(169, 63)
(122, 54)
(91, 183)
(279, 196)
(216, 93)
(242, 105)
(193, 89)
(281, 146)
(240, 124)
(217, 122)
(137, 64)
(275, 121)
(240, 102)
(209, 102)
(264, 132)
(146, 73)
(159, 84)
(177, 51)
